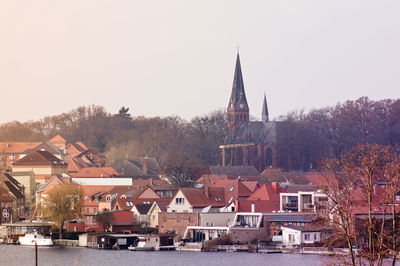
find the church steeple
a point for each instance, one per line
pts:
(264, 113)
(238, 109)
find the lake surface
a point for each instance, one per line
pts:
(19, 255)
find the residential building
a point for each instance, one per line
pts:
(304, 198)
(42, 163)
(297, 235)
(193, 200)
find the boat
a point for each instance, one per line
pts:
(30, 239)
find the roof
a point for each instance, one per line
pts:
(234, 170)
(75, 164)
(17, 147)
(197, 196)
(96, 172)
(297, 188)
(267, 192)
(142, 208)
(162, 205)
(300, 219)
(252, 185)
(264, 112)
(155, 184)
(304, 228)
(238, 92)
(233, 189)
(6, 195)
(57, 138)
(47, 146)
(39, 158)
(258, 132)
(135, 167)
(12, 185)
(53, 181)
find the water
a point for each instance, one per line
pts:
(19, 255)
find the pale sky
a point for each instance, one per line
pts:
(177, 57)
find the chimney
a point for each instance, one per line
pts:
(144, 165)
(275, 186)
(253, 207)
(151, 181)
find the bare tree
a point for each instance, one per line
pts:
(364, 181)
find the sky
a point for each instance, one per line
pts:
(177, 57)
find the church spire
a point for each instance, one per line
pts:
(238, 85)
(264, 113)
(238, 109)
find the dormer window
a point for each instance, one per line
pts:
(231, 189)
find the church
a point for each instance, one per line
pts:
(254, 142)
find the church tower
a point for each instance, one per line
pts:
(264, 113)
(238, 109)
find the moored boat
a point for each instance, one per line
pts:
(31, 238)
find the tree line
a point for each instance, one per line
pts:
(303, 138)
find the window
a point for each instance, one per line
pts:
(315, 236)
(154, 217)
(116, 207)
(306, 236)
(88, 210)
(179, 201)
(255, 220)
(168, 194)
(95, 211)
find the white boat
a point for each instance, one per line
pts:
(30, 239)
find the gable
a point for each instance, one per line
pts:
(148, 193)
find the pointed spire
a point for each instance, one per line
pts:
(264, 113)
(238, 85)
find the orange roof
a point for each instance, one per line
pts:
(252, 185)
(17, 147)
(97, 172)
(57, 138)
(267, 192)
(234, 189)
(89, 191)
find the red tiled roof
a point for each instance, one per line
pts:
(39, 158)
(57, 138)
(267, 192)
(252, 185)
(233, 189)
(96, 172)
(17, 147)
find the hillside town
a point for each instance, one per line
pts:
(246, 202)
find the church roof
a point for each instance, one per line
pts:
(257, 132)
(238, 85)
